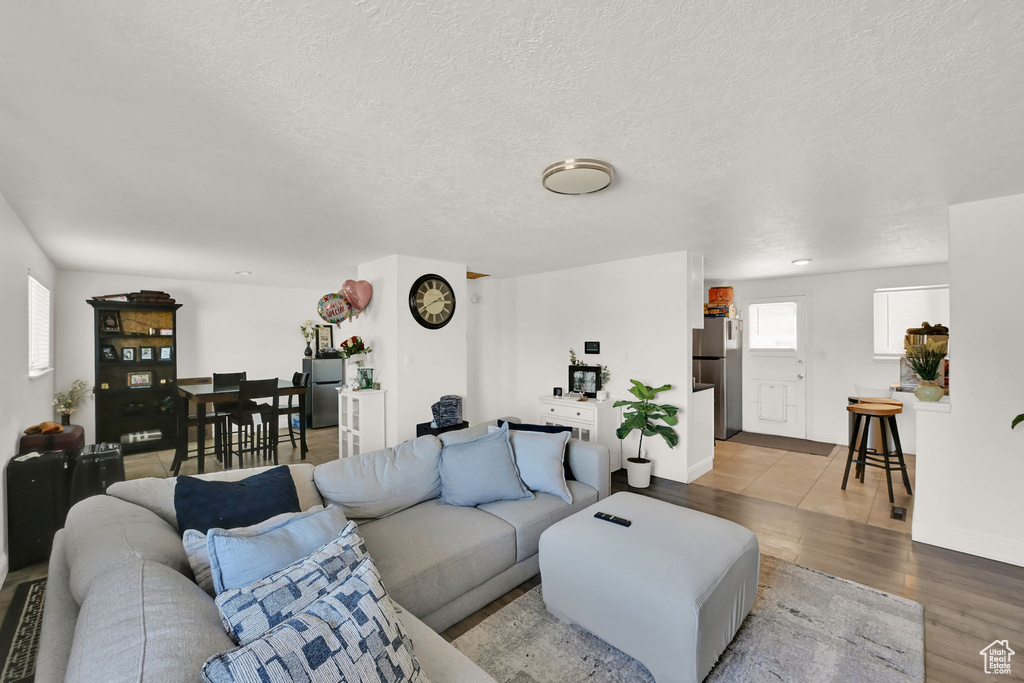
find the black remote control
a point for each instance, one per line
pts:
(613, 519)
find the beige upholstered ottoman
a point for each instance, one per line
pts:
(670, 591)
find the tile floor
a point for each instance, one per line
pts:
(809, 482)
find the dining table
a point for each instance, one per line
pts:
(202, 395)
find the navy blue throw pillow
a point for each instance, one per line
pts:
(203, 505)
(546, 429)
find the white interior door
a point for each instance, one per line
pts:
(775, 366)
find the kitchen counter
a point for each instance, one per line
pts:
(700, 386)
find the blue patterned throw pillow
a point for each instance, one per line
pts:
(350, 634)
(250, 612)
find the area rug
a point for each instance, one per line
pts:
(805, 626)
(19, 634)
(784, 443)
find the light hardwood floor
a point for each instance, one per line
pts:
(969, 601)
(810, 482)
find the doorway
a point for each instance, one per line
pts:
(775, 366)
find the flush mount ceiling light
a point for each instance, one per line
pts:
(243, 272)
(578, 176)
(801, 261)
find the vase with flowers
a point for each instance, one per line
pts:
(925, 360)
(308, 330)
(67, 402)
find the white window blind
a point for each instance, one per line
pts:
(38, 327)
(773, 325)
(897, 310)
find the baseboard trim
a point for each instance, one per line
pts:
(970, 542)
(701, 468)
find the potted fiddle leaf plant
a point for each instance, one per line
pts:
(643, 415)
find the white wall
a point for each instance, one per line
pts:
(221, 327)
(417, 365)
(23, 401)
(522, 330)
(841, 346)
(971, 465)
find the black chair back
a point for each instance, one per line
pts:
(252, 389)
(300, 379)
(227, 379)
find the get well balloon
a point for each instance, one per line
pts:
(357, 293)
(334, 308)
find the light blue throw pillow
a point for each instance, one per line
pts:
(350, 634)
(481, 471)
(539, 459)
(251, 611)
(240, 556)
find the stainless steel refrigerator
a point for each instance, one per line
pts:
(325, 376)
(718, 360)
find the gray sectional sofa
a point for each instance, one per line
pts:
(122, 605)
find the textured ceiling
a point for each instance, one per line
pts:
(193, 138)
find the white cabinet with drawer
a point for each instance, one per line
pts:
(591, 421)
(360, 421)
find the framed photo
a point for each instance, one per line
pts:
(166, 354)
(591, 347)
(585, 379)
(324, 337)
(110, 322)
(166, 332)
(146, 353)
(140, 380)
(108, 354)
(128, 353)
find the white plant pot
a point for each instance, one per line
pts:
(602, 395)
(638, 474)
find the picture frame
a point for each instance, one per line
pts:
(324, 337)
(129, 353)
(165, 354)
(108, 353)
(110, 322)
(592, 347)
(166, 332)
(146, 353)
(585, 379)
(139, 380)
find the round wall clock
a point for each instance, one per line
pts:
(432, 301)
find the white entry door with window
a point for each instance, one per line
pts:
(775, 367)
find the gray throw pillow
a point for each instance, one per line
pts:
(481, 471)
(539, 458)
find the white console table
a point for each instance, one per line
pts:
(591, 421)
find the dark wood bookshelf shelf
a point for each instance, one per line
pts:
(121, 409)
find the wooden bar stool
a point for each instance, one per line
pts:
(885, 411)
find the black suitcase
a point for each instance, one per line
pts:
(37, 504)
(96, 467)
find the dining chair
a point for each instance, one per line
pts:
(299, 379)
(181, 449)
(221, 429)
(256, 414)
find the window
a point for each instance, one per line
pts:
(899, 309)
(773, 325)
(38, 328)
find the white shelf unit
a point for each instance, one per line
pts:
(591, 421)
(360, 421)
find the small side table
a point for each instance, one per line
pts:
(424, 428)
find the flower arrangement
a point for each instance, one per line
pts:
(353, 346)
(308, 330)
(67, 402)
(926, 359)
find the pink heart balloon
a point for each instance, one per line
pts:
(334, 308)
(357, 293)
